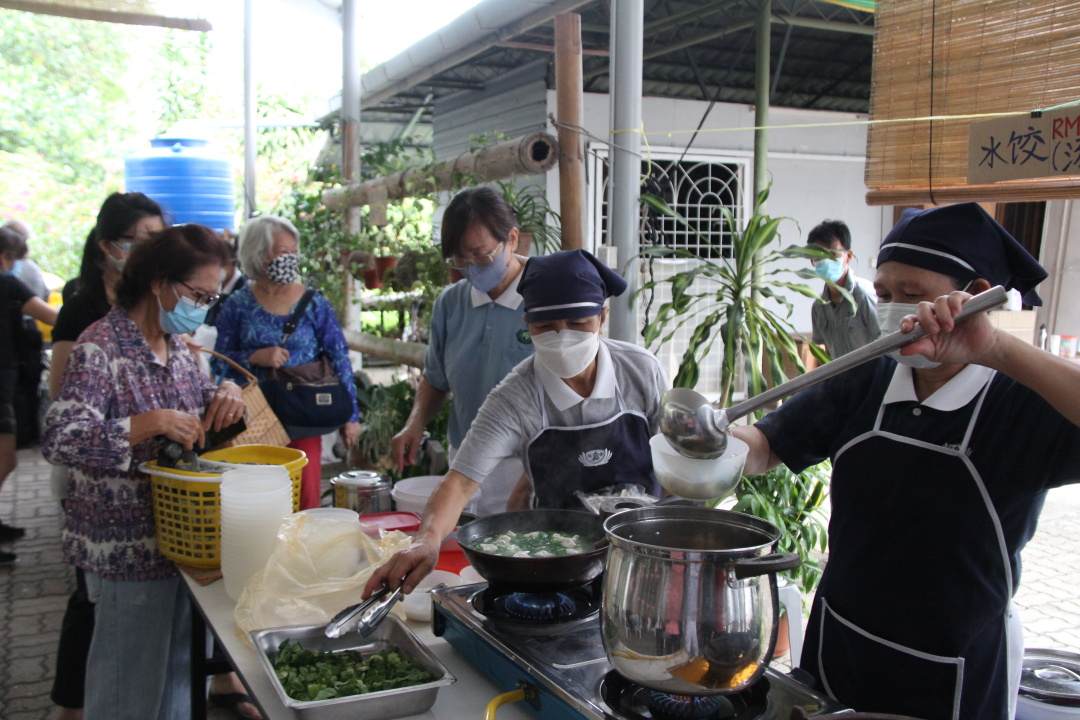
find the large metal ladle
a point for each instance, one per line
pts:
(697, 429)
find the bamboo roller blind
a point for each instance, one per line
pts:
(961, 57)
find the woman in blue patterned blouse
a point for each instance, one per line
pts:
(251, 322)
(130, 382)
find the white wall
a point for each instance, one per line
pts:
(817, 173)
(1060, 256)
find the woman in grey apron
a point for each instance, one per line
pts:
(579, 412)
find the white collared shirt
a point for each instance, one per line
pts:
(960, 390)
(564, 397)
(512, 415)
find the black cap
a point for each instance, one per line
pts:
(567, 285)
(964, 242)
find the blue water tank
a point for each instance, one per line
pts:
(188, 180)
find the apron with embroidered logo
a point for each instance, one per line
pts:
(561, 460)
(912, 615)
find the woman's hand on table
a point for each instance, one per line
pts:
(405, 446)
(350, 433)
(269, 357)
(406, 568)
(225, 409)
(946, 341)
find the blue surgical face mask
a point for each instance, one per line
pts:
(184, 318)
(486, 278)
(830, 270)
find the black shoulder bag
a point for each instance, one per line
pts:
(308, 399)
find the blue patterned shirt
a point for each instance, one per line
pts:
(245, 326)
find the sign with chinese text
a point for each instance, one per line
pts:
(1022, 147)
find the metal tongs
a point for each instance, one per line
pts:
(698, 429)
(364, 617)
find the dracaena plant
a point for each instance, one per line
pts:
(749, 328)
(754, 333)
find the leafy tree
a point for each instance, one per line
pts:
(61, 91)
(64, 116)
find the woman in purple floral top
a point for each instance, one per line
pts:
(130, 382)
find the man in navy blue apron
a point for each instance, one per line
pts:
(942, 456)
(579, 412)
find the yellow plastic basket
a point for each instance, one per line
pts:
(187, 505)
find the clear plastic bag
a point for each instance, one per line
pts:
(318, 567)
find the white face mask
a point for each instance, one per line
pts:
(889, 317)
(566, 353)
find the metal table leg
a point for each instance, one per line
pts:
(198, 664)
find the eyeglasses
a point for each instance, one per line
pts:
(457, 262)
(201, 299)
(125, 244)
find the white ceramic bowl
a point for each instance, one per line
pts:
(698, 479)
(418, 602)
(469, 576)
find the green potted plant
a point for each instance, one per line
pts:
(385, 409)
(756, 339)
(539, 225)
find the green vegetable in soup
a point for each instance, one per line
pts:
(308, 675)
(535, 544)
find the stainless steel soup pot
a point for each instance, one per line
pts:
(690, 599)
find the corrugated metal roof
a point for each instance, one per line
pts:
(694, 49)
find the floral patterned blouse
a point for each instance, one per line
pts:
(113, 375)
(245, 326)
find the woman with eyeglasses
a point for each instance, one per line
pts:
(251, 329)
(478, 333)
(123, 220)
(131, 382)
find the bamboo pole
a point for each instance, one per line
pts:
(570, 108)
(532, 154)
(399, 351)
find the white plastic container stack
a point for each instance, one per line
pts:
(254, 500)
(411, 494)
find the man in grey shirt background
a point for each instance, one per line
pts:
(836, 323)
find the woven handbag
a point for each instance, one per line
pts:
(263, 426)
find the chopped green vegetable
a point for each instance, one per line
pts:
(535, 544)
(308, 675)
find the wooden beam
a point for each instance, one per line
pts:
(570, 108)
(399, 351)
(1017, 191)
(112, 16)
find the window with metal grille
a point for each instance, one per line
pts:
(697, 189)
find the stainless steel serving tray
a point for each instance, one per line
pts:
(380, 705)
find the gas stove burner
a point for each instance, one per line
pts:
(634, 702)
(538, 607)
(538, 611)
(686, 707)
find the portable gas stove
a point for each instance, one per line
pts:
(551, 642)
